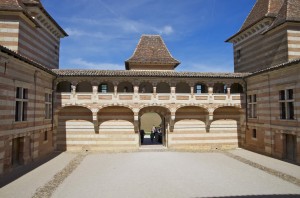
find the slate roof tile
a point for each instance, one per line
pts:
(151, 49)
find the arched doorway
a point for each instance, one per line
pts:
(154, 119)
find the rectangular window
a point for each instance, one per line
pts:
(252, 106)
(21, 104)
(198, 89)
(45, 135)
(286, 104)
(104, 88)
(238, 54)
(254, 135)
(48, 106)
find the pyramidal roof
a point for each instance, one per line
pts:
(279, 11)
(17, 4)
(23, 5)
(262, 9)
(151, 50)
(289, 12)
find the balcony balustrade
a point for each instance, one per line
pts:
(148, 98)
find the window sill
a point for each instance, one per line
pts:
(20, 122)
(288, 120)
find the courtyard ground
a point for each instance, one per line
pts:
(237, 173)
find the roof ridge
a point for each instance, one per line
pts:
(25, 59)
(151, 50)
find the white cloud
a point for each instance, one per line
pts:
(115, 26)
(79, 33)
(80, 63)
(199, 67)
(167, 30)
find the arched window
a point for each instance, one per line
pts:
(183, 87)
(64, 86)
(84, 87)
(145, 87)
(103, 88)
(200, 88)
(163, 88)
(236, 88)
(125, 87)
(220, 88)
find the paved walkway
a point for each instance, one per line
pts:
(157, 174)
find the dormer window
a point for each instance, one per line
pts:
(238, 54)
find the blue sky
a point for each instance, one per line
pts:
(104, 33)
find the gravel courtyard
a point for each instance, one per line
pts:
(158, 174)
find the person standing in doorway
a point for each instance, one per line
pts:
(152, 133)
(142, 134)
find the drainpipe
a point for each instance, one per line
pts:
(52, 110)
(270, 114)
(246, 119)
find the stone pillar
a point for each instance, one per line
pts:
(209, 119)
(95, 120)
(136, 89)
(136, 123)
(172, 122)
(192, 91)
(73, 89)
(115, 90)
(173, 90)
(228, 91)
(154, 91)
(95, 94)
(210, 88)
(228, 87)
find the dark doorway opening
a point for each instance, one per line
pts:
(152, 129)
(290, 147)
(16, 152)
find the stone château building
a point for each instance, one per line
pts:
(44, 108)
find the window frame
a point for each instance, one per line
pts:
(254, 134)
(102, 89)
(286, 104)
(21, 104)
(48, 106)
(252, 106)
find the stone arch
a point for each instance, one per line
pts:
(58, 109)
(200, 88)
(63, 86)
(165, 115)
(220, 88)
(163, 87)
(197, 105)
(226, 119)
(236, 88)
(106, 87)
(162, 110)
(190, 119)
(125, 87)
(84, 86)
(146, 87)
(116, 119)
(76, 121)
(183, 87)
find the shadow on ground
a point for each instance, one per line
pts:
(24, 169)
(147, 141)
(260, 196)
